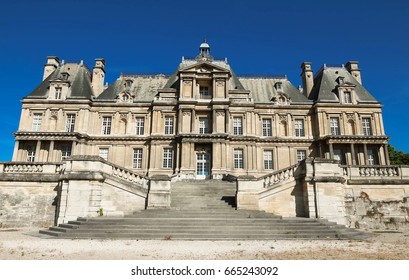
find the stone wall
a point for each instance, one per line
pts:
(27, 204)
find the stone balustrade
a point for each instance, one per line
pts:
(129, 176)
(279, 176)
(30, 167)
(376, 171)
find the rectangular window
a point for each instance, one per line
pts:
(203, 125)
(301, 155)
(167, 158)
(299, 127)
(31, 153)
(334, 126)
(65, 152)
(372, 157)
(139, 126)
(267, 127)
(106, 125)
(37, 118)
(238, 159)
(69, 127)
(268, 159)
(366, 126)
(169, 125)
(339, 155)
(347, 98)
(137, 158)
(58, 91)
(238, 126)
(103, 152)
(204, 92)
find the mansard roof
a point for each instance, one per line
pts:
(79, 78)
(144, 87)
(325, 84)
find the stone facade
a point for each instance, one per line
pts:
(117, 148)
(201, 122)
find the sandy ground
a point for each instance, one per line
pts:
(26, 244)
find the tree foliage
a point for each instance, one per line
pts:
(397, 157)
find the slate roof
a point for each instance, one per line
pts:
(143, 88)
(79, 79)
(325, 83)
(263, 90)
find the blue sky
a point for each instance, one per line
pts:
(259, 37)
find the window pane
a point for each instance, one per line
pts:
(299, 128)
(334, 125)
(140, 123)
(366, 126)
(267, 127)
(106, 125)
(301, 155)
(31, 153)
(69, 127)
(137, 158)
(238, 159)
(238, 126)
(203, 125)
(167, 158)
(103, 152)
(168, 125)
(37, 118)
(65, 152)
(268, 159)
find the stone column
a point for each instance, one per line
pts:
(38, 149)
(51, 152)
(193, 129)
(366, 154)
(331, 151)
(387, 160)
(353, 154)
(15, 152)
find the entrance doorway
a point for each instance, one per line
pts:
(203, 162)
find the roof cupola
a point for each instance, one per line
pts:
(204, 52)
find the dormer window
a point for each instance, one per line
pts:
(347, 98)
(58, 91)
(128, 84)
(279, 86)
(341, 80)
(65, 76)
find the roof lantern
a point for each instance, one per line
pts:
(204, 52)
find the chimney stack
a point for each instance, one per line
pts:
(307, 78)
(352, 67)
(98, 76)
(52, 63)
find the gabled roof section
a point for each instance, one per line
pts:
(79, 78)
(325, 83)
(263, 89)
(143, 88)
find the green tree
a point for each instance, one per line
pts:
(397, 157)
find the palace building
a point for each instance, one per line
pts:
(85, 148)
(203, 121)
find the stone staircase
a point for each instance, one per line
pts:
(202, 210)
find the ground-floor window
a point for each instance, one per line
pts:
(268, 160)
(31, 153)
(103, 152)
(301, 155)
(167, 158)
(238, 159)
(137, 158)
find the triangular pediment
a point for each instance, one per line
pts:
(205, 67)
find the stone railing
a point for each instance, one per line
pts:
(129, 176)
(279, 176)
(376, 171)
(30, 167)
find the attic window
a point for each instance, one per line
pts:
(65, 76)
(128, 84)
(341, 80)
(347, 98)
(279, 86)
